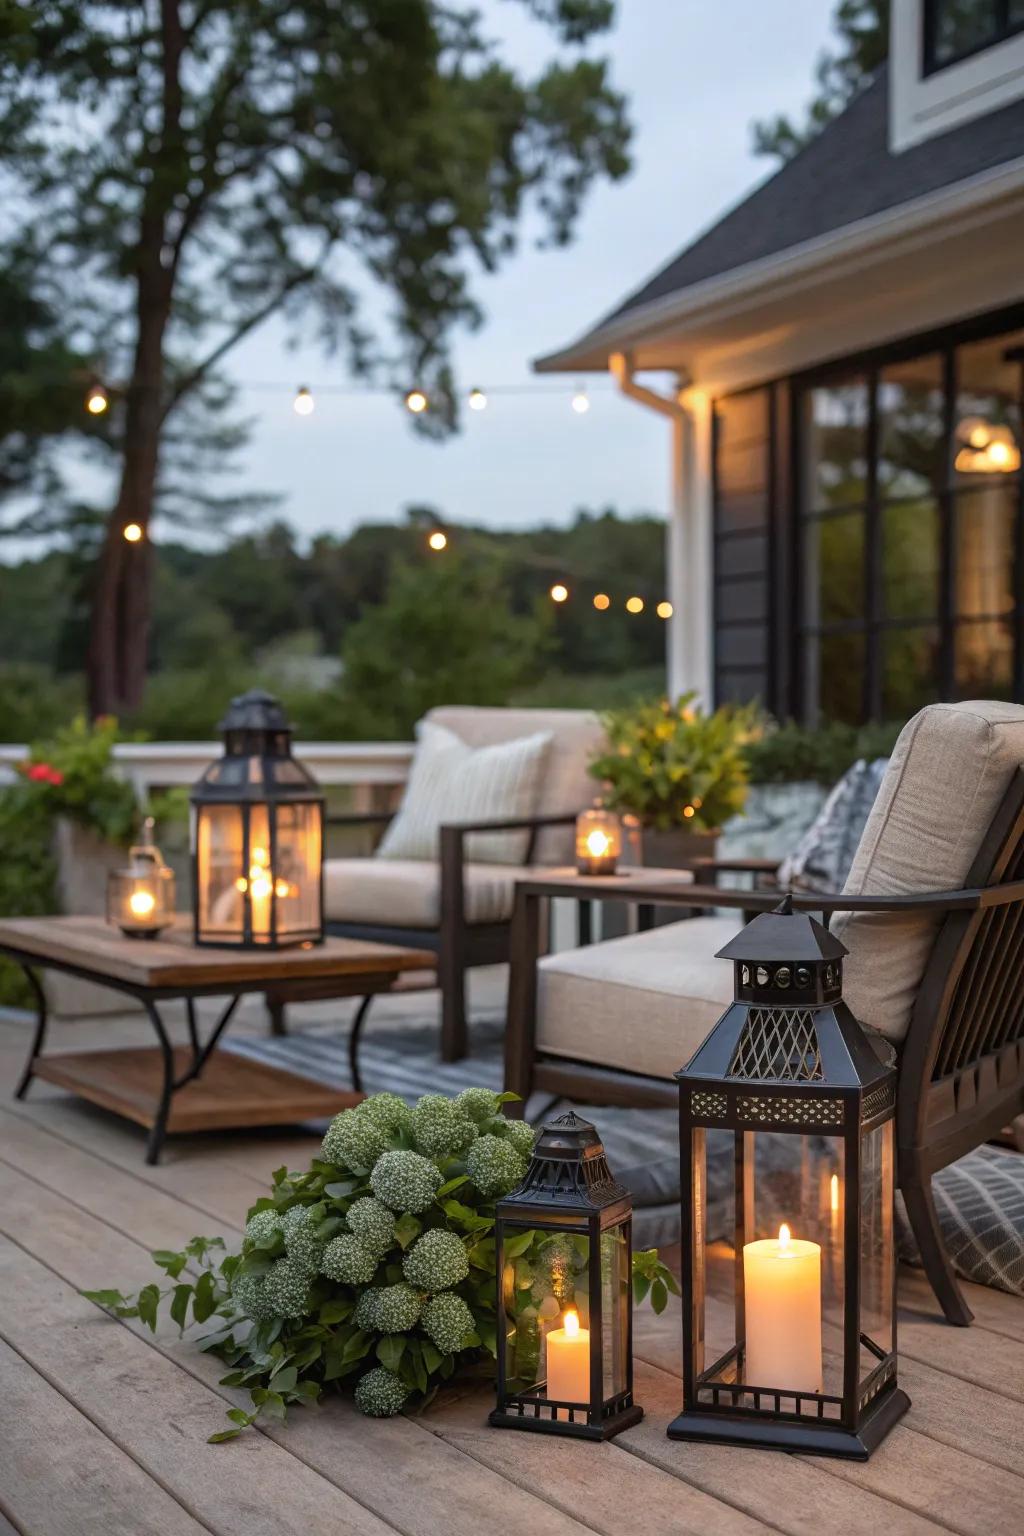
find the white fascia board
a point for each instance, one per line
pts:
(922, 106)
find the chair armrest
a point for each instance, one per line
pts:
(360, 819)
(969, 900)
(734, 866)
(453, 851)
(509, 823)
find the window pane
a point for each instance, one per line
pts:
(912, 454)
(834, 549)
(837, 446)
(839, 664)
(984, 659)
(962, 25)
(984, 521)
(910, 560)
(988, 424)
(910, 669)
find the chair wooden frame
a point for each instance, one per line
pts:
(961, 1065)
(459, 945)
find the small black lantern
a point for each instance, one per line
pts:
(257, 836)
(786, 1117)
(564, 1260)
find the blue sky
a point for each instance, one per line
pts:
(696, 75)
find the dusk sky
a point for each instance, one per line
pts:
(696, 75)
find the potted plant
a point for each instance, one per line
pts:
(676, 774)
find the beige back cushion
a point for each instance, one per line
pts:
(576, 737)
(949, 770)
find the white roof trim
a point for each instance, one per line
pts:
(903, 226)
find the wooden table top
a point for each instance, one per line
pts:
(91, 944)
(625, 877)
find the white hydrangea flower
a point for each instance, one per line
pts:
(248, 1292)
(440, 1128)
(436, 1261)
(263, 1225)
(388, 1111)
(348, 1260)
(388, 1309)
(286, 1289)
(480, 1104)
(447, 1321)
(372, 1223)
(522, 1136)
(380, 1393)
(494, 1165)
(405, 1181)
(302, 1242)
(354, 1140)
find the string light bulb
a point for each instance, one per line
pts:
(303, 404)
(477, 400)
(580, 400)
(438, 540)
(559, 592)
(602, 601)
(664, 610)
(97, 400)
(132, 533)
(634, 605)
(416, 402)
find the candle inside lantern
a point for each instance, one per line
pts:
(598, 841)
(568, 1369)
(141, 903)
(782, 1305)
(598, 844)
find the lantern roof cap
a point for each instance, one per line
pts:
(784, 935)
(567, 1168)
(255, 710)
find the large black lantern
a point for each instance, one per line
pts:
(565, 1315)
(786, 1136)
(257, 836)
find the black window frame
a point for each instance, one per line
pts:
(1003, 30)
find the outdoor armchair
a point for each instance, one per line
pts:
(932, 916)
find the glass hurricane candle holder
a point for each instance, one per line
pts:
(565, 1296)
(257, 836)
(598, 841)
(140, 899)
(789, 1268)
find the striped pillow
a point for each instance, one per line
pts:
(451, 782)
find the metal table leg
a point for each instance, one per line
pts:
(38, 1037)
(353, 1042)
(159, 1127)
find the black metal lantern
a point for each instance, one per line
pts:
(564, 1260)
(788, 1182)
(257, 836)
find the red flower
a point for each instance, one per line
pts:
(42, 773)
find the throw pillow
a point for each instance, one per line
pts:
(822, 858)
(450, 781)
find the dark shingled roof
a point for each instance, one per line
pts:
(845, 174)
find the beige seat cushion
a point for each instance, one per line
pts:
(643, 1003)
(577, 736)
(949, 770)
(406, 893)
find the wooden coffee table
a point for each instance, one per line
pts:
(190, 1088)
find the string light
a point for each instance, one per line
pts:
(438, 540)
(416, 402)
(559, 593)
(132, 533)
(477, 400)
(602, 601)
(581, 400)
(634, 605)
(97, 400)
(664, 610)
(303, 404)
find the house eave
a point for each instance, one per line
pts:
(842, 253)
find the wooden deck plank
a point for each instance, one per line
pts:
(160, 1415)
(61, 1476)
(995, 1310)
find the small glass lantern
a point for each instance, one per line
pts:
(565, 1315)
(257, 836)
(140, 899)
(598, 840)
(788, 1183)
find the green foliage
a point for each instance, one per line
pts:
(862, 27)
(789, 753)
(32, 701)
(330, 1291)
(673, 765)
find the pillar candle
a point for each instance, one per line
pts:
(568, 1369)
(782, 1305)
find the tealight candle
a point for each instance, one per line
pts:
(782, 1306)
(568, 1369)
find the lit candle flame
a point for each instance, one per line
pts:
(141, 903)
(571, 1324)
(597, 843)
(784, 1237)
(834, 1192)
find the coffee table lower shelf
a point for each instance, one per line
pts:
(233, 1091)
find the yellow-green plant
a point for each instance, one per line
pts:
(674, 765)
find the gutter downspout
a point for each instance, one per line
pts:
(688, 542)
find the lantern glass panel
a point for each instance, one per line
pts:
(616, 1300)
(545, 1292)
(219, 840)
(296, 871)
(877, 1251)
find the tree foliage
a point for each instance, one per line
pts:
(862, 29)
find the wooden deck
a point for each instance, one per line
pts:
(104, 1429)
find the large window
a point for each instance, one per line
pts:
(743, 428)
(910, 530)
(955, 29)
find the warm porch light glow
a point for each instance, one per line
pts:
(97, 400)
(438, 540)
(602, 601)
(133, 532)
(559, 593)
(416, 402)
(833, 1193)
(141, 903)
(571, 1324)
(634, 605)
(303, 404)
(987, 448)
